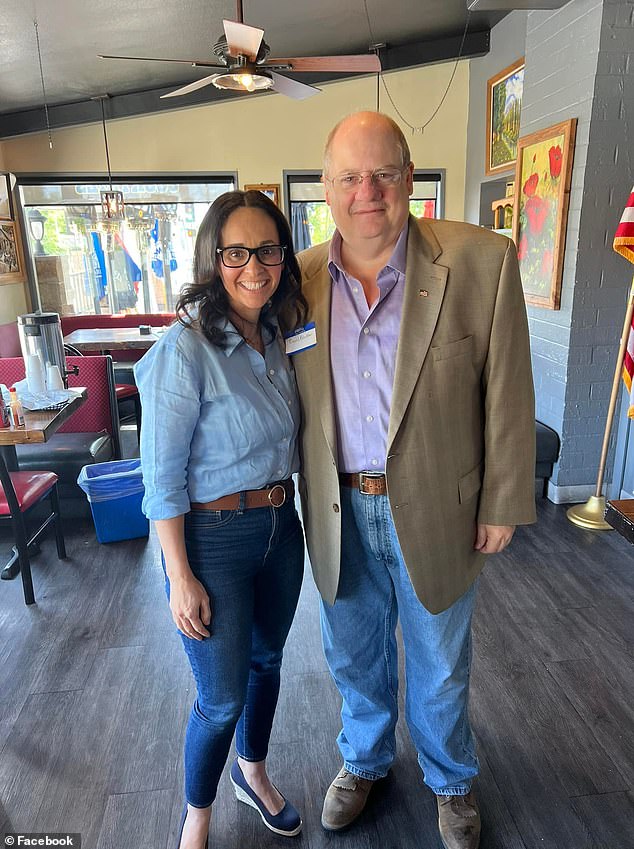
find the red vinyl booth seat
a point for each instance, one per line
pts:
(29, 488)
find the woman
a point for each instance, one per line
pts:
(218, 448)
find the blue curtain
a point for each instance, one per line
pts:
(299, 226)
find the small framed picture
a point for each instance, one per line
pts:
(504, 106)
(6, 204)
(271, 190)
(11, 270)
(540, 212)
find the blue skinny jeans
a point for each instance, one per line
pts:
(251, 564)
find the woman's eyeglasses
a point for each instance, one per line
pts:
(238, 257)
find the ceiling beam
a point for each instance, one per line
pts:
(146, 102)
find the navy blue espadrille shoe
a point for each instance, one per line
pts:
(288, 822)
(182, 826)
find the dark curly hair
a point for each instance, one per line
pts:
(207, 292)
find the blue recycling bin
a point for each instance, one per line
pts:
(115, 492)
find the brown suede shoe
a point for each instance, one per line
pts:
(345, 799)
(459, 821)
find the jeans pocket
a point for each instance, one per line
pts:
(209, 519)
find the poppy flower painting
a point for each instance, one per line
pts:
(543, 172)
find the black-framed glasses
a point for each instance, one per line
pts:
(238, 257)
(382, 178)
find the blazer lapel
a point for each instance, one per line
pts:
(319, 373)
(425, 283)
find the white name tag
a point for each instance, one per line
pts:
(301, 339)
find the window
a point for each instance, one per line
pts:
(311, 221)
(139, 266)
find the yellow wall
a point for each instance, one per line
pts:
(12, 302)
(259, 137)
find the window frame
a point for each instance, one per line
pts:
(42, 178)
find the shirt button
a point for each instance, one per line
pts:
(289, 401)
(280, 471)
(335, 507)
(367, 374)
(271, 371)
(366, 330)
(355, 289)
(369, 418)
(375, 462)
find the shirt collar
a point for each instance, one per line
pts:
(233, 339)
(397, 260)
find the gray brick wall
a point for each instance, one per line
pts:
(579, 63)
(597, 279)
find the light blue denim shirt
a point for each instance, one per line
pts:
(215, 420)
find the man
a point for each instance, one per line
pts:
(418, 460)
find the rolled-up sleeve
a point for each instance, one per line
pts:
(170, 389)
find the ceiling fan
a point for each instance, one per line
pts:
(243, 64)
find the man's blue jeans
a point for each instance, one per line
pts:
(360, 645)
(251, 565)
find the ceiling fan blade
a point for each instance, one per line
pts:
(368, 62)
(243, 40)
(291, 88)
(186, 89)
(194, 62)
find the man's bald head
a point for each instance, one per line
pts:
(369, 120)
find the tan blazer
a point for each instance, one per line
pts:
(461, 440)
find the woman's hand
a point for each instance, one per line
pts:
(190, 606)
(189, 602)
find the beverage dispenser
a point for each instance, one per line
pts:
(41, 336)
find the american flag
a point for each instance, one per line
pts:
(624, 236)
(624, 244)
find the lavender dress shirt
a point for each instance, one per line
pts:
(363, 342)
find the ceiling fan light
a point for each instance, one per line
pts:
(244, 81)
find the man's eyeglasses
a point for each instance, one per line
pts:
(382, 178)
(238, 257)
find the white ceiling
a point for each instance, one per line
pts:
(73, 32)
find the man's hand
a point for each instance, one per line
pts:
(490, 539)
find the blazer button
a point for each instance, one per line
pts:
(335, 507)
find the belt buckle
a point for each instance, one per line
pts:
(362, 479)
(273, 499)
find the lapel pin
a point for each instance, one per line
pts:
(423, 293)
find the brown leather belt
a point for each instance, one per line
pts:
(369, 483)
(272, 496)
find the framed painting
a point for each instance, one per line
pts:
(504, 106)
(6, 205)
(10, 261)
(542, 191)
(271, 190)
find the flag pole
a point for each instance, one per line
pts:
(590, 515)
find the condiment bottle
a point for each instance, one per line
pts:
(17, 413)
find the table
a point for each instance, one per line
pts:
(620, 514)
(106, 339)
(39, 425)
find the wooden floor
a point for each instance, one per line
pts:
(95, 693)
